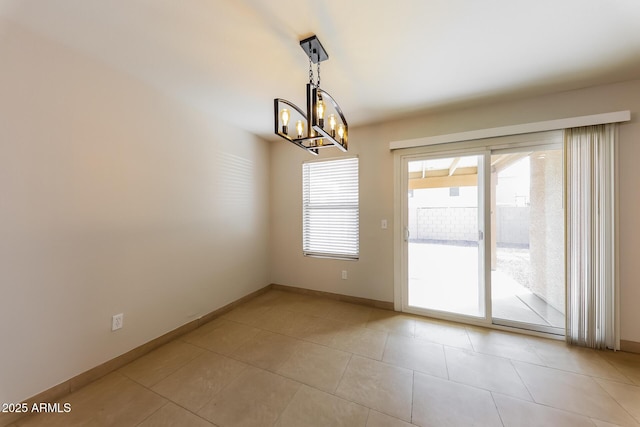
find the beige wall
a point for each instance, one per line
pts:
(369, 277)
(372, 276)
(113, 198)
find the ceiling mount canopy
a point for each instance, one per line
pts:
(323, 124)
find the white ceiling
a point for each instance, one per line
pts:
(386, 58)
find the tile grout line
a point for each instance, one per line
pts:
(368, 417)
(274, 371)
(121, 371)
(554, 408)
(300, 386)
(342, 376)
(305, 339)
(522, 380)
(564, 409)
(616, 400)
(495, 405)
(615, 368)
(154, 412)
(413, 390)
(446, 362)
(346, 399)
(384, 348)
(466, 331)
(168, 401)
(244, 369)
(566, 371)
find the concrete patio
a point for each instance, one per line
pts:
(445, 277)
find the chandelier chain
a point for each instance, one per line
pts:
(318, 67)
(311, 71)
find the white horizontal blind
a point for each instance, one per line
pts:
(330, 210)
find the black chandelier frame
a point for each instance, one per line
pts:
(315, 136)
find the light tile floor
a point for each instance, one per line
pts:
(285, 359)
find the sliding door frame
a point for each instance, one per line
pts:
(482, 147)
(484, 289)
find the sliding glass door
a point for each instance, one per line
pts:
(444, 241)
(527, 239)
(513, 196)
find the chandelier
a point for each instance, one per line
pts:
(323, 124)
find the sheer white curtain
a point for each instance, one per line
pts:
(591, 236)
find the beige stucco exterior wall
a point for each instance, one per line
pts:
(546, 231)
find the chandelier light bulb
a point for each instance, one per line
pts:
(320, 112)
(300, 128)
(332, 124)
(284, 116)
(341, 133)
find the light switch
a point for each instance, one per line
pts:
(383, 224)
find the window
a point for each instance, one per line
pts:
(330, 211)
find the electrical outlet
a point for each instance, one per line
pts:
(344, 274)
(117, 321)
